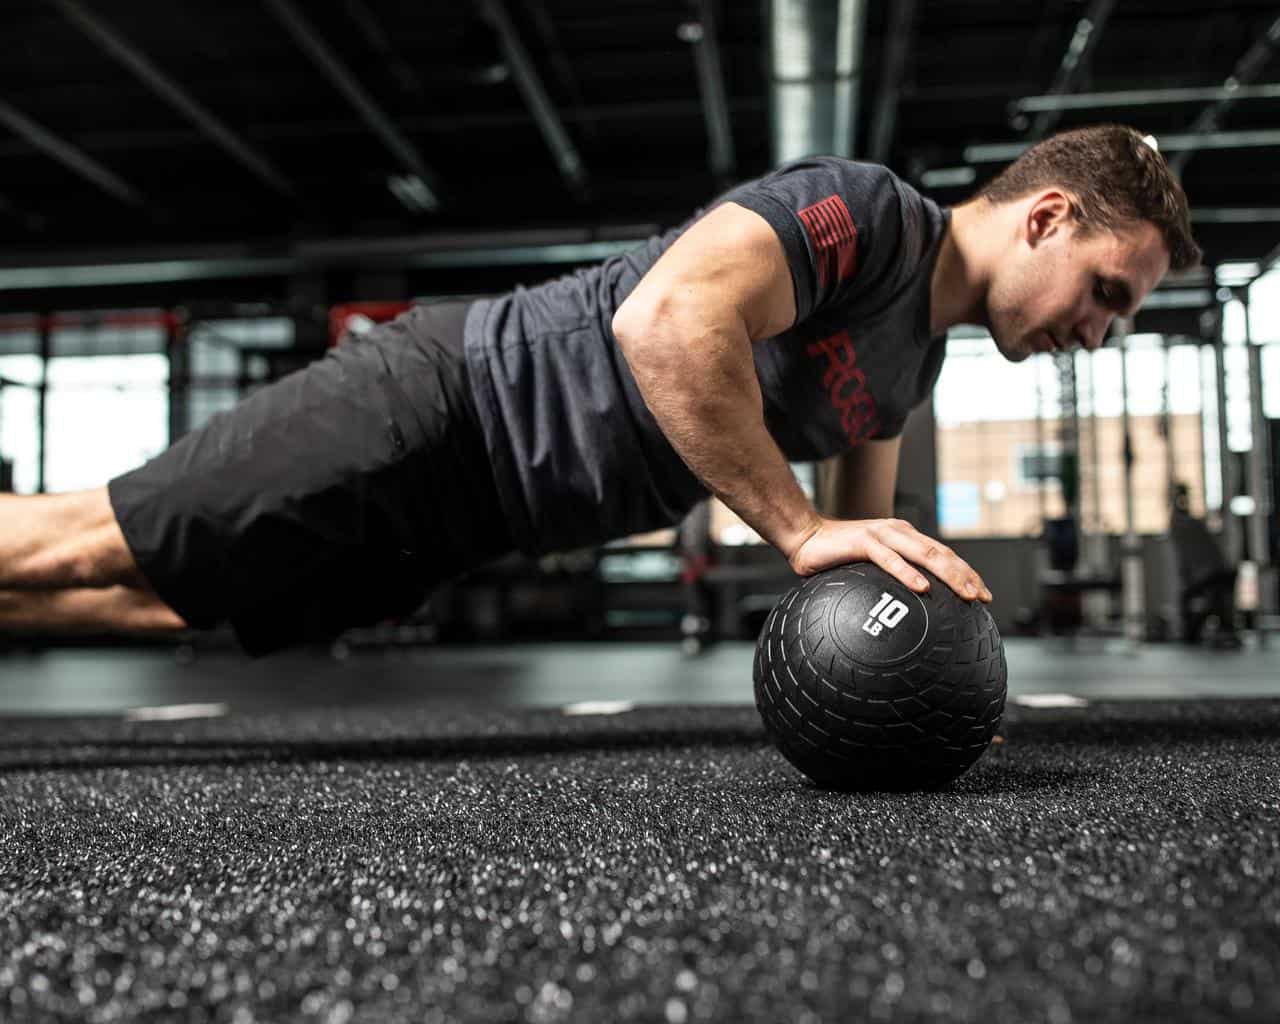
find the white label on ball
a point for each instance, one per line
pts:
(886, 614)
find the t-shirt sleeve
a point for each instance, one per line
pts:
(840, 224)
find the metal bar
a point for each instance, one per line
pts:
(192, 384)
(897, 48)
(42, 404)
(172, 93)
(366, 249)
(310, 41)
(1141, 98)
(704, 36)
(1001, 152)
(1167, 421)
(535, 94)
(179, 358)
(447, 251)
(1132, 591)
(364, 18)
(1084, 41)
(1235, 214)
(1226, 460)
(1041, 455)
(1259, 469)
(560, 66)
(343, 129)
(1201, 433)
(154, 272)
(1247, 69)
(69, 156)
(1096, 535)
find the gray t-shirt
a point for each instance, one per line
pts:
(578, 457)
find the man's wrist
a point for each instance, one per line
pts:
(796, 536)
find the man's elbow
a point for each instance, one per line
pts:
(632, 324)
(640, 328)
(621, 325)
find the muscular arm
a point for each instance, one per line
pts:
(859, 483)
(686, 333)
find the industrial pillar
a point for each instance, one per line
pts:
(1259, 478)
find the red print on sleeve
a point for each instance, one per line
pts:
(846, 386)
(834, 239)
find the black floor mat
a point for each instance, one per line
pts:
(1117, 862)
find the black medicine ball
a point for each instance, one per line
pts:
(864, 684)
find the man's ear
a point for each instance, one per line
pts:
(1050, 212)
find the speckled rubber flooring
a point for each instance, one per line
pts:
(1117, 862)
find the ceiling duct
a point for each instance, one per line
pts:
(815, 67)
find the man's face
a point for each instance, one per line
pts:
(1060, 288)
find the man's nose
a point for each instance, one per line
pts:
(1092, 331)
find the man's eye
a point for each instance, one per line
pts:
(1100, 290)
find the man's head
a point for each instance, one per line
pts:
(1094, 219)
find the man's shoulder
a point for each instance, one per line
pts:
(856, 173)
(871, 192)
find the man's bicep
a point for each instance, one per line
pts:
(860, 482)
(730, 263)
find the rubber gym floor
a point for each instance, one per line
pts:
(457, 835)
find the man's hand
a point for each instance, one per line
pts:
(892, 544)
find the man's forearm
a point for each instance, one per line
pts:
(700, 384)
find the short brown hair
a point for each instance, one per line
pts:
(1115, 178)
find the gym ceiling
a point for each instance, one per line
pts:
(518, 134)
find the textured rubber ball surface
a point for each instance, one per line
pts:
(864, 684)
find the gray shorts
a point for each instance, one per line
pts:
(338, 496)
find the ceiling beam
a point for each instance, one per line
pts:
(1130, 98)
(549, 247)
(897, 48)
(1002, 152)
(172, 93)
(703, 35)
(339, 128)
(1246, 71)
(561, 68)
(528, 81)
(1084, 40)
(1235, 214)
(377, 121)
(365, 20)
(69, 156)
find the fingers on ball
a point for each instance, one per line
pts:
(893, 563)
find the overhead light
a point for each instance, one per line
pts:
(948, 177)
(413, 192)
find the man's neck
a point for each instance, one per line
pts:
(958, 290)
